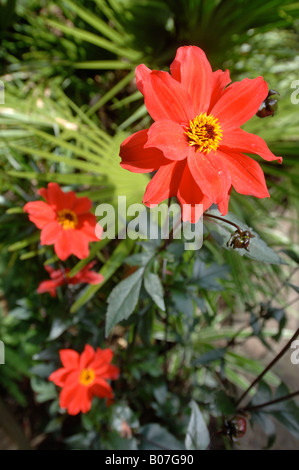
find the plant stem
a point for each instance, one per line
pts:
(283, 284)
(271, 364)
(291, 303)
(272, 402)
(224, 220)
(165, 364)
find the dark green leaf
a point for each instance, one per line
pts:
(197, 437)
(154, 288)
(210, 356)
(155, 437)
(222, 232)
(123, 299)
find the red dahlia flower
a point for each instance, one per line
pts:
(59, 277)
(84, 376)
(195, 144)
(65, 221)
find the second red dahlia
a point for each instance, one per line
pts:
(65, 220)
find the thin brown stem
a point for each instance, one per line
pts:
(283, 284)
(224, 220)
(271, 364)
(272, 402)
(291, 303)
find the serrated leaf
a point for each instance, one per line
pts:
(123, 300)
(197, 437)
(154, 288)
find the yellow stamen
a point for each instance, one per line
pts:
(204, 132)
(87, 376)
(67, 218)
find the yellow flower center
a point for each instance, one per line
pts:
(87, 376)
(204, 132)
(67, 218)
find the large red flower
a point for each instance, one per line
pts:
(59, 277)
(84, 376)
(195, 144)
(65, 220)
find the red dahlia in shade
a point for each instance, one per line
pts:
(65, 220)
(196, 145)
(84, 376)
(59, 277)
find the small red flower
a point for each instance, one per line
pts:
(195, 144)
(84, 376)
(65, 221)
(59, 277)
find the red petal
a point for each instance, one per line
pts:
(169, 137)
(81, 401)
(49, 286)
(108, 372)
(189, 192)
(59, 376)
(101, 389)
(102, 365)
(57, 275)
(71, 242)
(166, 98)
(43, 193)
(142, 72)
(164, 183)
(69, 358)
(137, 158)
(63, 245)
(219, 82)
(247, 177)
(90, 277)
(75, 399)
(66, 395)
(49, 269)
(239, 102)
(103, 356)
(223, 205)
(191, 197)
(82, 205)
(87, 356)
(86, 225)
(40, 213)
(193, 70)
(248, 143)
(80, 243)
(57, 198)
(50, 233)
(210, 175)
